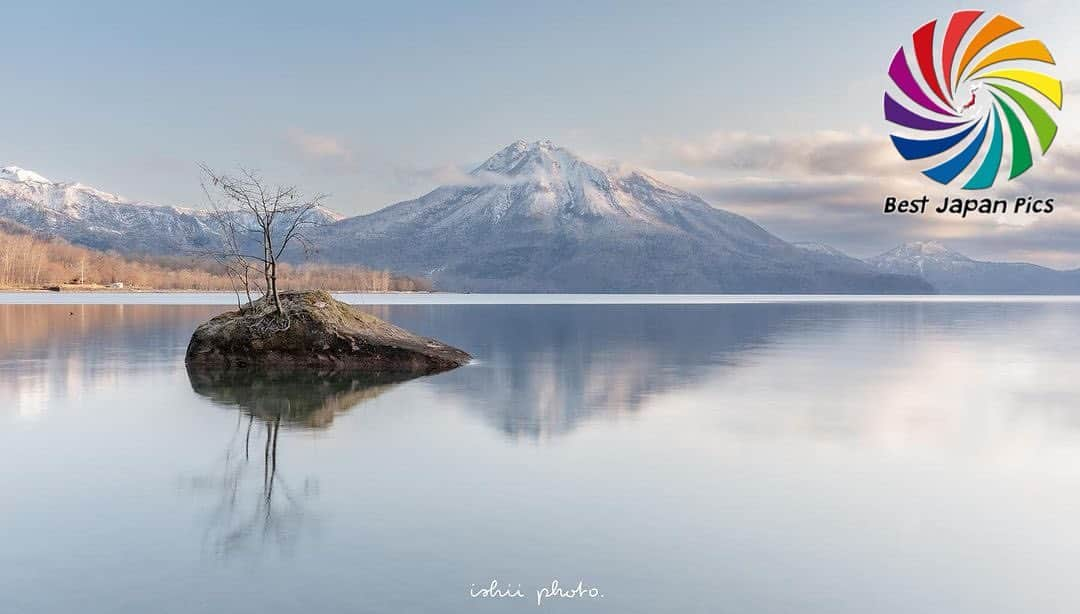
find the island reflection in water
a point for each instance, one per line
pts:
(543, 370)
(255, 504)
(643, 449)
(304, 398)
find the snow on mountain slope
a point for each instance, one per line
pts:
(100, 220)
(952, 272)
(541, 187)
(14, 173)
(918, 257)
(535, 217)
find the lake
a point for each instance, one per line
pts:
(760, 454)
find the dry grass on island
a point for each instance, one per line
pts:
(33, 262)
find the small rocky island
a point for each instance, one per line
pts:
(316, 331)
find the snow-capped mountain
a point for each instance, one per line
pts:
(921, 257)
(535, 217)
(19, 175)
(954, 273)
(97, 219)
(100, 220)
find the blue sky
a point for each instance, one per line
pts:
(369, 101)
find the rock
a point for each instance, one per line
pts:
(316, 331)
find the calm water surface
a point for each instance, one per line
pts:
(780, 457)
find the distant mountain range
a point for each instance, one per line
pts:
(97, 219)
(104, 221)
(536, 218)
(954, 273)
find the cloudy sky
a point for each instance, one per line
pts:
(769, 109)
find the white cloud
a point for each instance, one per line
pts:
(829, 186)
(319, 146)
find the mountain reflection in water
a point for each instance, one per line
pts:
(640, 448)
(542, 371)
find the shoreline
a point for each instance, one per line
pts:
(106, 290)
(226, 299)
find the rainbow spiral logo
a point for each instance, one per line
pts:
(981, 101)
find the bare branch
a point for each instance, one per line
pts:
(247, 210)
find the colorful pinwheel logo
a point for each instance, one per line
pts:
(979, 85)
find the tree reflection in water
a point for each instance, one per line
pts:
(250, 513)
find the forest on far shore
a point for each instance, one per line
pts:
(33, 261)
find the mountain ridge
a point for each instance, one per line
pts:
(535, 217)
(952, 272)
(97, 219)
(87, 216)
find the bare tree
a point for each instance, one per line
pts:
(258, 224)
(230, 256)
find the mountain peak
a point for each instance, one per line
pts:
(541, 180)
(919, 257)
(920, 250)
(21, 175)
(925, 247)
(522, 156)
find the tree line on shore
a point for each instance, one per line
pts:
(29, 260)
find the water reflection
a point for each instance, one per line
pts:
(302, 398)
(256, 505)
(545, 370)
(253, 503)
(735, 444)
(53, 353)
(830, 370)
